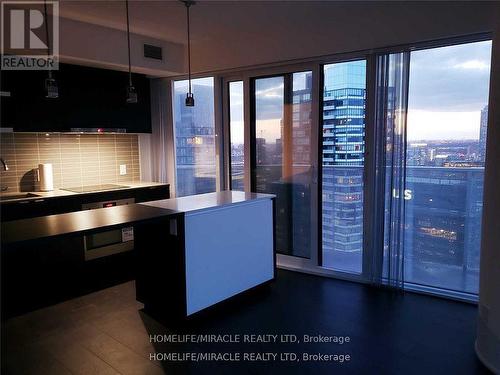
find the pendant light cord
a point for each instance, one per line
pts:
(188, 4)
(128, 42)
(47, 36)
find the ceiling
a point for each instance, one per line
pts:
(229, 34)
(161, 19)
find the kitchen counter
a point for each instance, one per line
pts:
(36, 204)
(75, 223)
(58, 193)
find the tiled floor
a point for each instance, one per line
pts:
(106, 333)
(101, 333)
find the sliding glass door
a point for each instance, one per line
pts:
(343, 151)
(432, 142)
(283, 156)
(445, 150)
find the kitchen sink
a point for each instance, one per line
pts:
(8, 197)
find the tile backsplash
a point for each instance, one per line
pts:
(77, 159)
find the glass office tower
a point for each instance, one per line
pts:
(343, 147)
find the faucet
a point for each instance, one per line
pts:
(5, 168)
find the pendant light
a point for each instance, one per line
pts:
(189, 95)
(51, 88)
(131, 93)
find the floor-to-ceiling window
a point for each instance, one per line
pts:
(236, 134)
(445, 151)
(283, 155)
(194, 137)
(402, 158)
(342, 149)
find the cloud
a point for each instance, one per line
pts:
(473, 64)
(454, 78)
(269, 98)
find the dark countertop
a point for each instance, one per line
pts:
(79, 222)
(60, 193)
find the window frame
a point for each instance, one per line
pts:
(226, 104)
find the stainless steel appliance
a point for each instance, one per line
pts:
(109, 242)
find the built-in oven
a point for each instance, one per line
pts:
(106, 243)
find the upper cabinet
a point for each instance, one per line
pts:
(88, 98)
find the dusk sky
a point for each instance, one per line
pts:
(448, 89)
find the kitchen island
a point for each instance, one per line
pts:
(190, 253)
(222, 246)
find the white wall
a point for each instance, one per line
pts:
(88, 44)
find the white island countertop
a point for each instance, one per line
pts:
(201, 202)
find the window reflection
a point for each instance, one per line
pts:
(283, 156)
(194, 138)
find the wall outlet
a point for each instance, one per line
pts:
(123, 169)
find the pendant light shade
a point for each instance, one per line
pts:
(189, 99)
(131, 93)
(51, 88)
(189, 95)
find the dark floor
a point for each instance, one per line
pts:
(106, 333)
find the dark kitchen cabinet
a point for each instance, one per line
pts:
(152, 193)
(89, 98)
(29, 208)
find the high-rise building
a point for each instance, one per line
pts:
(343, 148)
(482, 133)
(443, 226)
